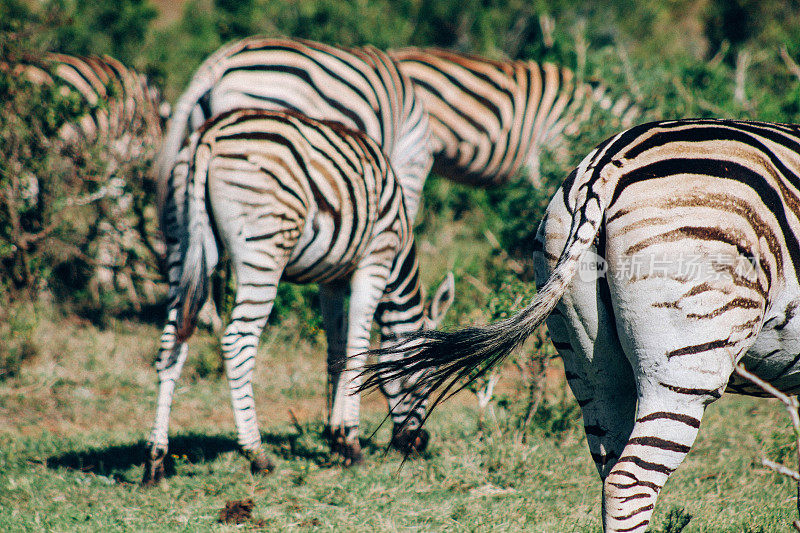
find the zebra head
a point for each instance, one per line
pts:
(440, 303)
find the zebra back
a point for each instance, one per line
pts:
(362, 88)
(491, 118)
(125, 112)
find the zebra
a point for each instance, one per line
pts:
(125, 118)
(126, 112)
(360, 87)
(491, 118)
(695, 226)
(292, 198)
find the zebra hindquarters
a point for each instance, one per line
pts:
(686, 314)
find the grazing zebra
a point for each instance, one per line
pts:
(696, 225)
(490, 118)
(359, 87)
(292, 198)
(124, 117)
(126, 113)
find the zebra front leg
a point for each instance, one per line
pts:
(367, 285)
(407, 436)
(171, 357)
(407, 408)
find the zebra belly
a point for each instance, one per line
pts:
(775, 356)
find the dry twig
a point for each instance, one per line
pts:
(792, 407)
(790, 63)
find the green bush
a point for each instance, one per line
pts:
(63, 204)
(18, 330)
(117, 28)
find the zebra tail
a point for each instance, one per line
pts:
(176, 132)
(437, 361)
(199, 251)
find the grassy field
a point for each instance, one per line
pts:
(73, 420)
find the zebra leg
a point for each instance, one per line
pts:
(407, 409)
(332, 305)
(583, 330)
(667, 423)
(367, 286)
(408, 406)
(682, 356)
(255, 294)
(599, 374)
(169, 364)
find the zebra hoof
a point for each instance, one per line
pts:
(154, 467)
(261, 464)
(410, 441)
(348, 449)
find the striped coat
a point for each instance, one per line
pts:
(359, 87)
(489, 119)
(670, 255)
(125, 111)
(291, 198)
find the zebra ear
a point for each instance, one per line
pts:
(164, 110)
(440, 302)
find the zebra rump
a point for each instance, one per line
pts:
(697, 224)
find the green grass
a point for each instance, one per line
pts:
(74, 415)
(73, 421)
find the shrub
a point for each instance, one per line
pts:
(17, 328)
(70, 216)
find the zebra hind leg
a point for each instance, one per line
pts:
(667, 423)
(599, 374)
(332, 303)
(671, 401)
(255, 294)
(169, 364)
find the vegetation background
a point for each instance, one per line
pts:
(77, 388)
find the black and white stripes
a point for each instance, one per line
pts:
(296, 199)
(361, 88)
(696, 224)
(125, 111)
(491, 118)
